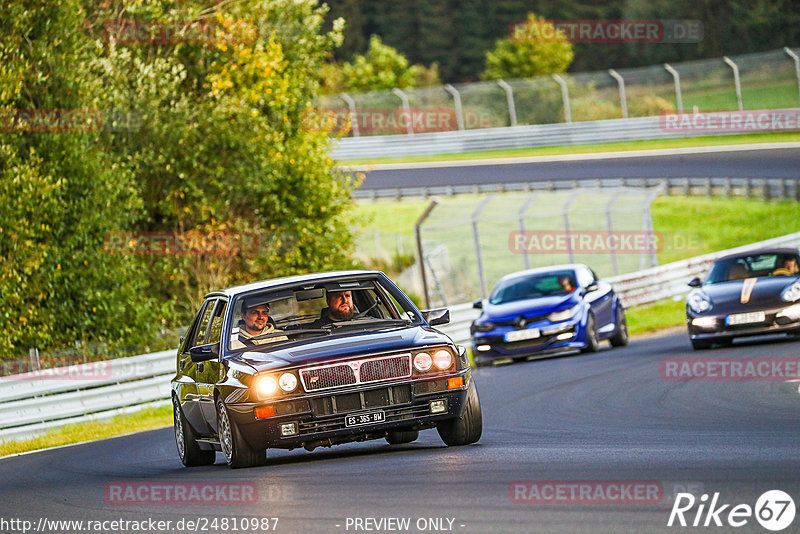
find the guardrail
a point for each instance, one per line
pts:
(33, 403)
(766, 188)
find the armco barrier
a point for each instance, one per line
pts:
(30, 406)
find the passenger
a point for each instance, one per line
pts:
(789, 268)
(340, 308)
(566, 283)
(255, 322)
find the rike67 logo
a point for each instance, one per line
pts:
(774, 510)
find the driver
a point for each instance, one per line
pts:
(340, 308)
(566, 283)
(255, 322)
(789, 268)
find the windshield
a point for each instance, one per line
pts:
(314, 310)
(753, 266)
(534, 286)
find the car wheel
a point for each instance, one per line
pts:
(467, 428)
(698, 344)
(396, 437)
(620, 337)
(189, 451)
(591, 336)
(236, 450)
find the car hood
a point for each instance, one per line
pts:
(529, 307)
(765, 292)
(341, 346)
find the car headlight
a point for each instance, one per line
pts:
(422, 361)
(699, 302)
(265, 386)
(442, 359)
(791, 293)
(287, 382)
(482, 327)
(563, 315)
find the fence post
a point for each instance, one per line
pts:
(353, 115)
(34, 357)
(610, 229)
(476, 238)
(526, 261)
(512, 108)
(796, 67)
(736, 81)
(406, 109)
(457, 101)
(420, 252)
(564, 97)
(565, 214)
(623, 100)
(677, 78)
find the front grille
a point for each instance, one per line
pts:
(356, 372)
(351, 402)
(337, 423)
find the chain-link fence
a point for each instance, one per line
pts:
(768, 80)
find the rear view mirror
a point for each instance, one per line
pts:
(478, 304)
(204, 353)
(308, 294)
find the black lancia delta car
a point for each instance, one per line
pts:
(317, 360)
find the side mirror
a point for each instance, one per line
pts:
(695, 282)
(592, 287)
(437, 316)
(478, 304)
(204, 353)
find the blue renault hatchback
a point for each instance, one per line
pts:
(547, 311)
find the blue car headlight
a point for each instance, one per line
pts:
(699, 302)
(791, 293)
(563, 315)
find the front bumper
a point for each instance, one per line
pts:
(776, 320)
(554, 338)
(320, 419)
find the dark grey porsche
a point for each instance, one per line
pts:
(747, 294)
(274, 365)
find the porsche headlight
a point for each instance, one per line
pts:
(791, 293)
(265, 386)
(699, 302)
(563, 315)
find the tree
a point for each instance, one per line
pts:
(537, 48)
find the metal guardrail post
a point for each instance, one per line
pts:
(736, 80)
(623, 100)
(512, 108)
(565, 213)
(677, 77)
(564, 97)
(406, 110)
(457, 101)
(526, 261)
(796, 66)
(421, 252)
(476, 238)
(353, 115)
(610, 229)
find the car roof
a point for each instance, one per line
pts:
(285, 280)
(540, 270)
(779, 250)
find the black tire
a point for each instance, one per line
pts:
(698, 344)
(397, 437)
(237, 451)
(189, 451)
(592, 344)
(620, 337)
(467, 428)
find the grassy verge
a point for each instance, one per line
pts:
(591, 148)
(653, 317)
(76, 433)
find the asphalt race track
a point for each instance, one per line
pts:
(772, 163)
(608, 416)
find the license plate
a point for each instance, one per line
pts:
(745, 318)
(521, 335)
(364, 419)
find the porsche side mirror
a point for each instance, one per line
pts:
(695, 282)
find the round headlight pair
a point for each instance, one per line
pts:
(441, 359)
(268, 385)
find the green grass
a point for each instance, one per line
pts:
(122, 424)
(653, 317)
(590, 148)
(779, 96)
